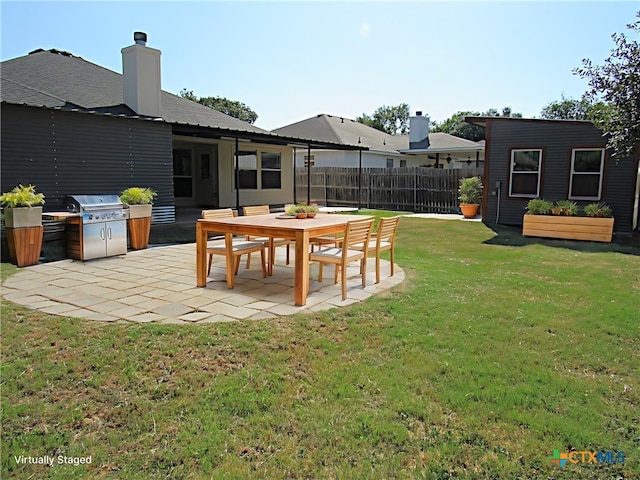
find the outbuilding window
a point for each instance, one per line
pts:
(587, 165)
(526, 166)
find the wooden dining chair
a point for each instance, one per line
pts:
(383, 240)
(239, 247)
(357, 232)
(273, 242)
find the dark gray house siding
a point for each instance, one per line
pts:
(556, 139)
(62, 153)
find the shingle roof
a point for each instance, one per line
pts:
(56, 79)
(331, 128)
(444, 141)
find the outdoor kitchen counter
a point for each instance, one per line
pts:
(59, 215)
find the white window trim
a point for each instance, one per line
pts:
(573, 172)
(258, 168)
(262, 169)
(539, 173)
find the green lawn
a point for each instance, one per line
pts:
(495, 352)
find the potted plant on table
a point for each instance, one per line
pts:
(312, 211)
(302, 210)
(140, 202)
(23, 222)
(470, 196)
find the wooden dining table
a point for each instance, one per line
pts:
(272, 225)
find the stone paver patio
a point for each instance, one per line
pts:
(159, 285)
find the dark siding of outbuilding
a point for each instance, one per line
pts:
(556, 139)
(64, 153)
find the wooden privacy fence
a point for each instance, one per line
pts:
(415, 189)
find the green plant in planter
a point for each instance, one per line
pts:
(538, 206)
(291, 210)
(312, 210)
(301, 207)
(567, 207)
(470, 190)
(22, 196)
(138, 196)
(23, 219)
(597, 210)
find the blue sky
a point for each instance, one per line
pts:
(292, 60)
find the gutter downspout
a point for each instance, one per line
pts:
(359, 178)
(308, 174)
(294, 175)
(237, 175)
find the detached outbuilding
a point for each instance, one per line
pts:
(554, 160)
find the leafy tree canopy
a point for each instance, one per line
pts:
(570, 109)
(455, 125)
(230, 107)
(393, 120)
(617, 82)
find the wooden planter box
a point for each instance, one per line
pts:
(139, 226)
(25, 245)
(139, 229)
(568, 228)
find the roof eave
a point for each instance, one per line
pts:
(443, 150)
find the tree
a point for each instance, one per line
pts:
(570, 109)
(617, 82)
(393, 120)
(229, 107)
(455, 125)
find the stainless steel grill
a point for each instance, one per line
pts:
(103, 223)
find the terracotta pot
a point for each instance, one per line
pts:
(301, 215)
(469, 210)
(311, 215)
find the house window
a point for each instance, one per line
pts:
(403, 163)
(389, 162)
(268, 170)
(248, 169)
(271, 169)
(587, 165)
(526, 166)
(182, 173)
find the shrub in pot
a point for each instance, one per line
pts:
(470, 196)
(140, 201)
(23, 219)
(23, 207)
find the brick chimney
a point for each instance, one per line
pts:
(141, 77)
